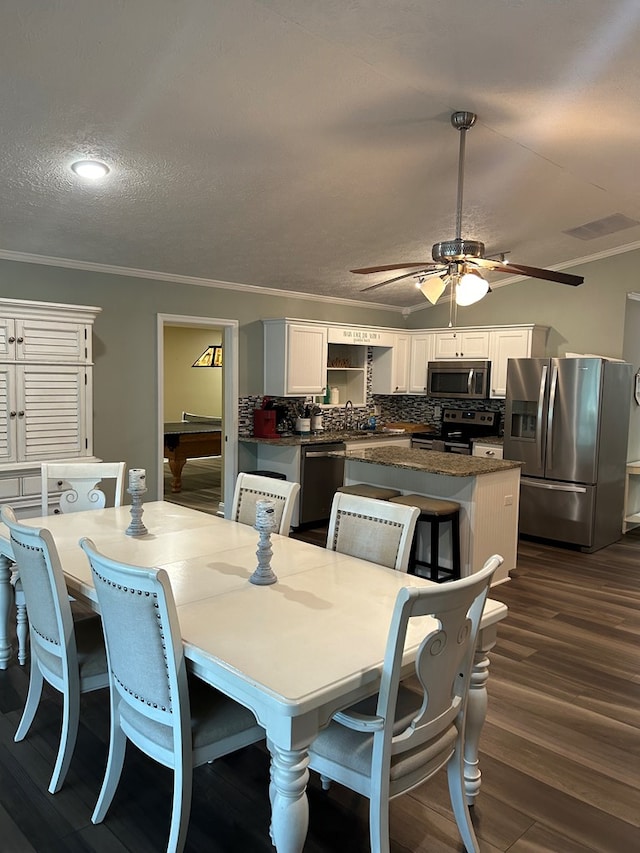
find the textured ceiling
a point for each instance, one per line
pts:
(280, 143)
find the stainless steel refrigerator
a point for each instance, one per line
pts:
(567, 420)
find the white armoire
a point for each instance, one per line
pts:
(46, 397)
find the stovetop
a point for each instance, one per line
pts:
(463, 425)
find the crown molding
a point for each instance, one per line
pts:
(108, 269)
(132, 272)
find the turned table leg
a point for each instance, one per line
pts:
(6, 595)
(476, 713)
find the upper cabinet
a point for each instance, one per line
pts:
(39, 339)
(295, 359)
(421, 349)
(462, 343)
(390, 371)
(307, 359)
(513, 342)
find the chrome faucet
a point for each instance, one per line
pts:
(348, 415)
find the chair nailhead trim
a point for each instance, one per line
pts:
(344, 512)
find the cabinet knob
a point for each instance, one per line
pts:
(60, 482)
(12, 414)
(20, 414)
(12, 340)
(20, 340)
(490, 453)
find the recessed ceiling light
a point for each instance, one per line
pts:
(90, 169)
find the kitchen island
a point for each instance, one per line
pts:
(487, 490)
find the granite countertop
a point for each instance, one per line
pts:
(326, 437)
(490, 439)
(432, 461)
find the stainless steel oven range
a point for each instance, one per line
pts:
(459, 428)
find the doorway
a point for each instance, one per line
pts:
(224, 389)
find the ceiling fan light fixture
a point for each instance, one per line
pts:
(471, 288)
(433, 287)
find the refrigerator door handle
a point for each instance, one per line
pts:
(550, 413)
(541, 393)
(470, 382)
(555, 487)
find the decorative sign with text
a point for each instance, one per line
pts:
(356, 335)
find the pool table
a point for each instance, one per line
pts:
(189, 440)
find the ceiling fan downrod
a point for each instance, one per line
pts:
(458, 249)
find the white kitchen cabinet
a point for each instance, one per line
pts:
(390, 370)
(45, 393)
(422, 348)
(487, 450)
(295, 359)
(466, 344)
(512, 342)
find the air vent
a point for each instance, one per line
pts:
(602, 227)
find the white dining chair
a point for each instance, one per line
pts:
(78, 482)
(371, 529)
(177, 720)
(392, 742)
(69, 655)
(251, 488)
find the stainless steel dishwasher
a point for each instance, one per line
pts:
(322, 472)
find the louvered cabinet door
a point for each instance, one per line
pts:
(52, 421)
(39, 340)
(8, 414)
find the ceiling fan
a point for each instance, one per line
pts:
(460, 262)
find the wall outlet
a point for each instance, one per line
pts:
(376, 410)
(437, 412)
(508, 500)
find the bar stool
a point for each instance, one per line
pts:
(435, 511)
(364, 490)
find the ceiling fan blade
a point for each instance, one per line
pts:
(388, 281)
(423, 272)
(534, 272)
(389, 267)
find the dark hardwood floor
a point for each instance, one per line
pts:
(560, 752)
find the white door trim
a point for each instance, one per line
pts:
(230, 396)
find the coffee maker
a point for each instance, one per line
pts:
(265, 423)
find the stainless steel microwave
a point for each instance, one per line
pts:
(460, 380)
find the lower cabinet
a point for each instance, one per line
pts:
(489, 451)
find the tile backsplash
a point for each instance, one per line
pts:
(413, 408)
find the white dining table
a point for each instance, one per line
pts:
(294, 652)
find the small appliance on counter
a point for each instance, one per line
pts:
(264, 423)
